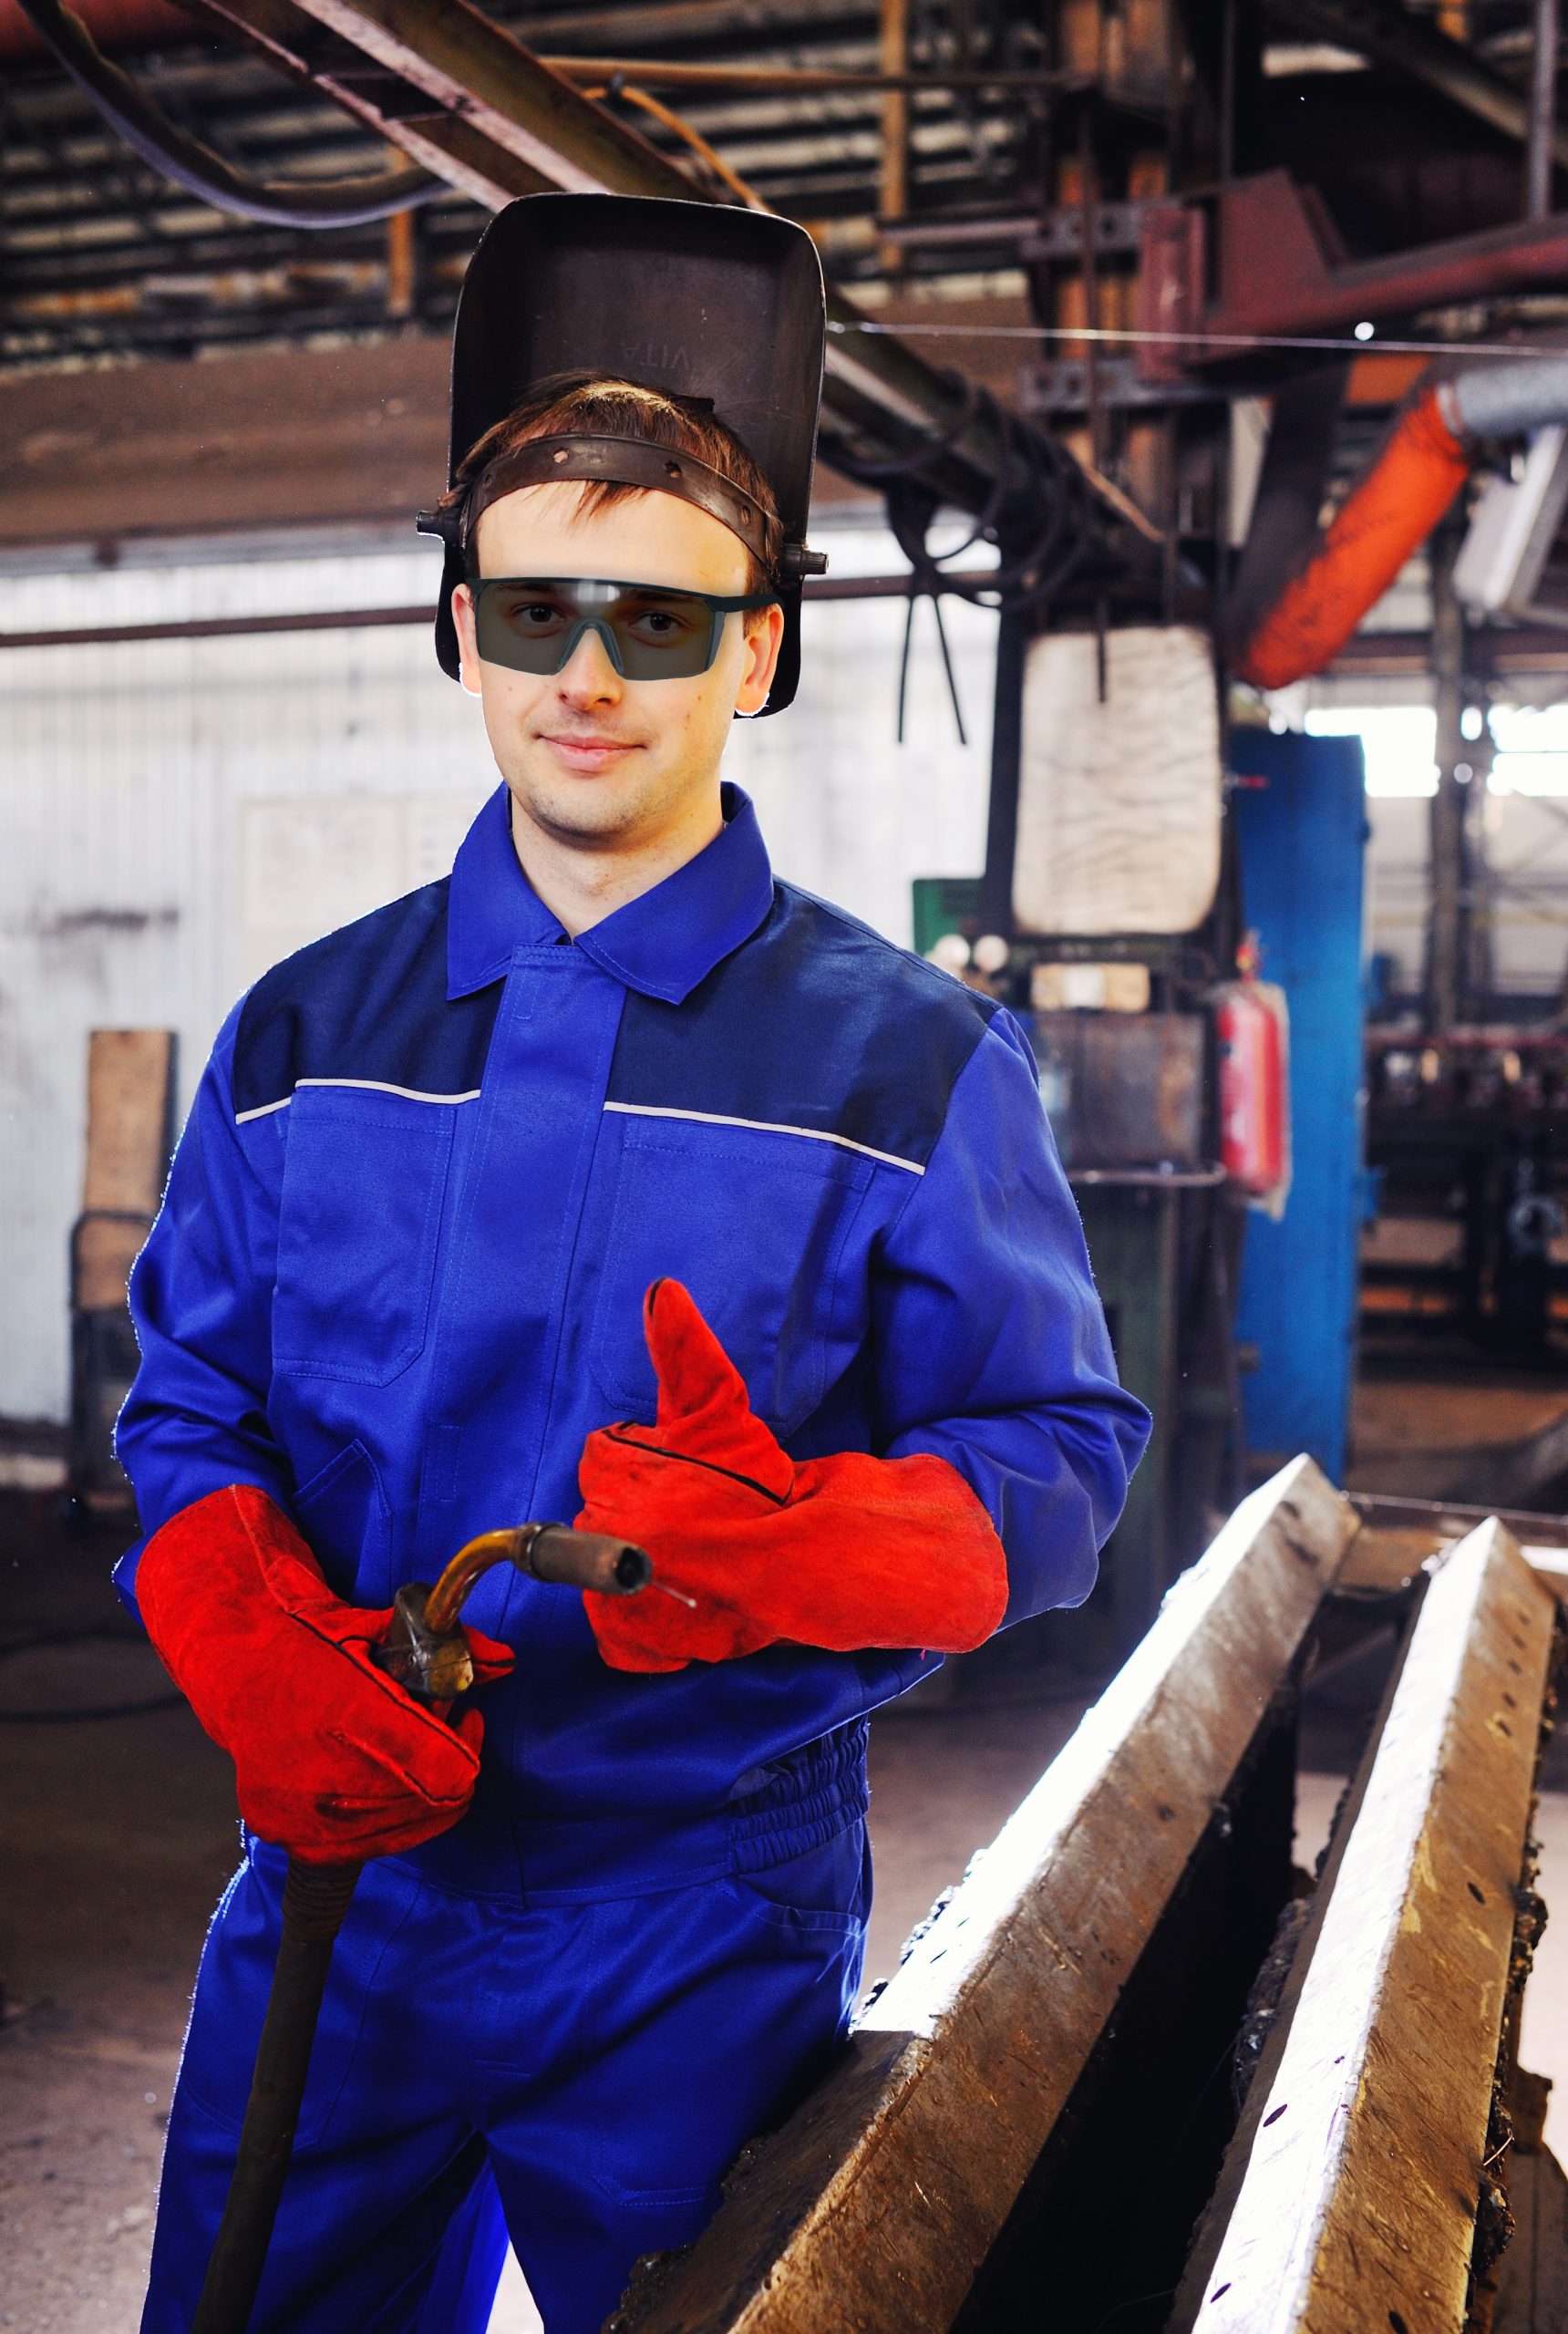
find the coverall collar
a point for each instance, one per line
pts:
(662, 943)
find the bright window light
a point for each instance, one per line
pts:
(1531, 750)
(1399, 742)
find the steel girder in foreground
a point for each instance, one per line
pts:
(874, 2208)
(997, 2148)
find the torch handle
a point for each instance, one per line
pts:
(315, 1899)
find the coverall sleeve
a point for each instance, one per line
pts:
(991, 1346)
(200, 1301)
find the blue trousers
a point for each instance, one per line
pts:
(577, 2075)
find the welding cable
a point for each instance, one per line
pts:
(50, 1637)
(1032, 576)
(161, 144)
(619, 91)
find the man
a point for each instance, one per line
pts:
(610, 1176)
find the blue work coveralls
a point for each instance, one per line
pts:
(432, 1166)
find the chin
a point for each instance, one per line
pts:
(586, 808)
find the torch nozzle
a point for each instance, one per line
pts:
(425, 1648)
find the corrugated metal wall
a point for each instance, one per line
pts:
(134, 780)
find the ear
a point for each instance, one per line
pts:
(764, 637)
(467, 643)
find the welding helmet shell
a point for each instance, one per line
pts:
(693, 299)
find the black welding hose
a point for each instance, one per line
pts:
(315, 1898)
(147, 131)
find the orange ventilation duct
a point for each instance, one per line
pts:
(1381, 521)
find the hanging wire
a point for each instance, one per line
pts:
(909, 329)
(1035, 573)
(171, 152)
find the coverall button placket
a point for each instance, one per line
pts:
(504, 1294)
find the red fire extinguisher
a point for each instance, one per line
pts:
(1254, 1027)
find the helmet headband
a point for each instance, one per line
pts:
(619, 461)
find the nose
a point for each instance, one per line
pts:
(588, 677)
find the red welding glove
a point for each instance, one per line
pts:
(332, 1760)
(843, 1552)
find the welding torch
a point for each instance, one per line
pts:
(425, 1649)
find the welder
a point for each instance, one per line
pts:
(610, 1179)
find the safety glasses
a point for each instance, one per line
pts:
(651, 632)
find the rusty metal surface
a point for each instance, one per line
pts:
(875, 2204)
(1349, 2204)
(490, 117)
(113, 24)
(351, 434)
(1134, 1086)
(1279, 271)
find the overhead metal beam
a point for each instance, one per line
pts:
(525, 125)
(795, 80)
(1411, 45)
(1277, 276)
(381, 619)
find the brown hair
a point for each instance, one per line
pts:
(592, 404)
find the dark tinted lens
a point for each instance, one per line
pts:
(660, 636)
(526, 627)
(532, 625)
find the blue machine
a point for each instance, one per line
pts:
(1301, 832)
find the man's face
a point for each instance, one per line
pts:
(592, 758)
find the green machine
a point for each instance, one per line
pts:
(1123, 1032)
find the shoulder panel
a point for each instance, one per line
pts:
(367, 1004)
(816, 1022)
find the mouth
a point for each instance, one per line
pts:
(586, 752)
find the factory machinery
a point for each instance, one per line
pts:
(1142, 2072)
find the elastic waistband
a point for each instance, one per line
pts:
(812, 1796)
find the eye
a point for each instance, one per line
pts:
(534, 615)
(661, 626)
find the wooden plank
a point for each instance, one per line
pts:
(1357, 2169)
(873, 2208)
(129, 1075)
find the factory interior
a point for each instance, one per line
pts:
(1184, 673)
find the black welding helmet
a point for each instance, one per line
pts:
(696, 299)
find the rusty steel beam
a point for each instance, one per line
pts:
(474, 70)
(1396, 36)
(796, 80)
(521, 125)
(1349, 2200)
(873, 2207)
(375, 619)
(1278, 273)
(1496, 649)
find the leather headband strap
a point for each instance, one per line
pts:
(625, 461)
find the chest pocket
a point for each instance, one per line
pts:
(360, 1215)
(759, 1227)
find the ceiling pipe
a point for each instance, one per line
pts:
(164, 147)
(1391, 511)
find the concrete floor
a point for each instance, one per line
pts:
(116, 1837)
